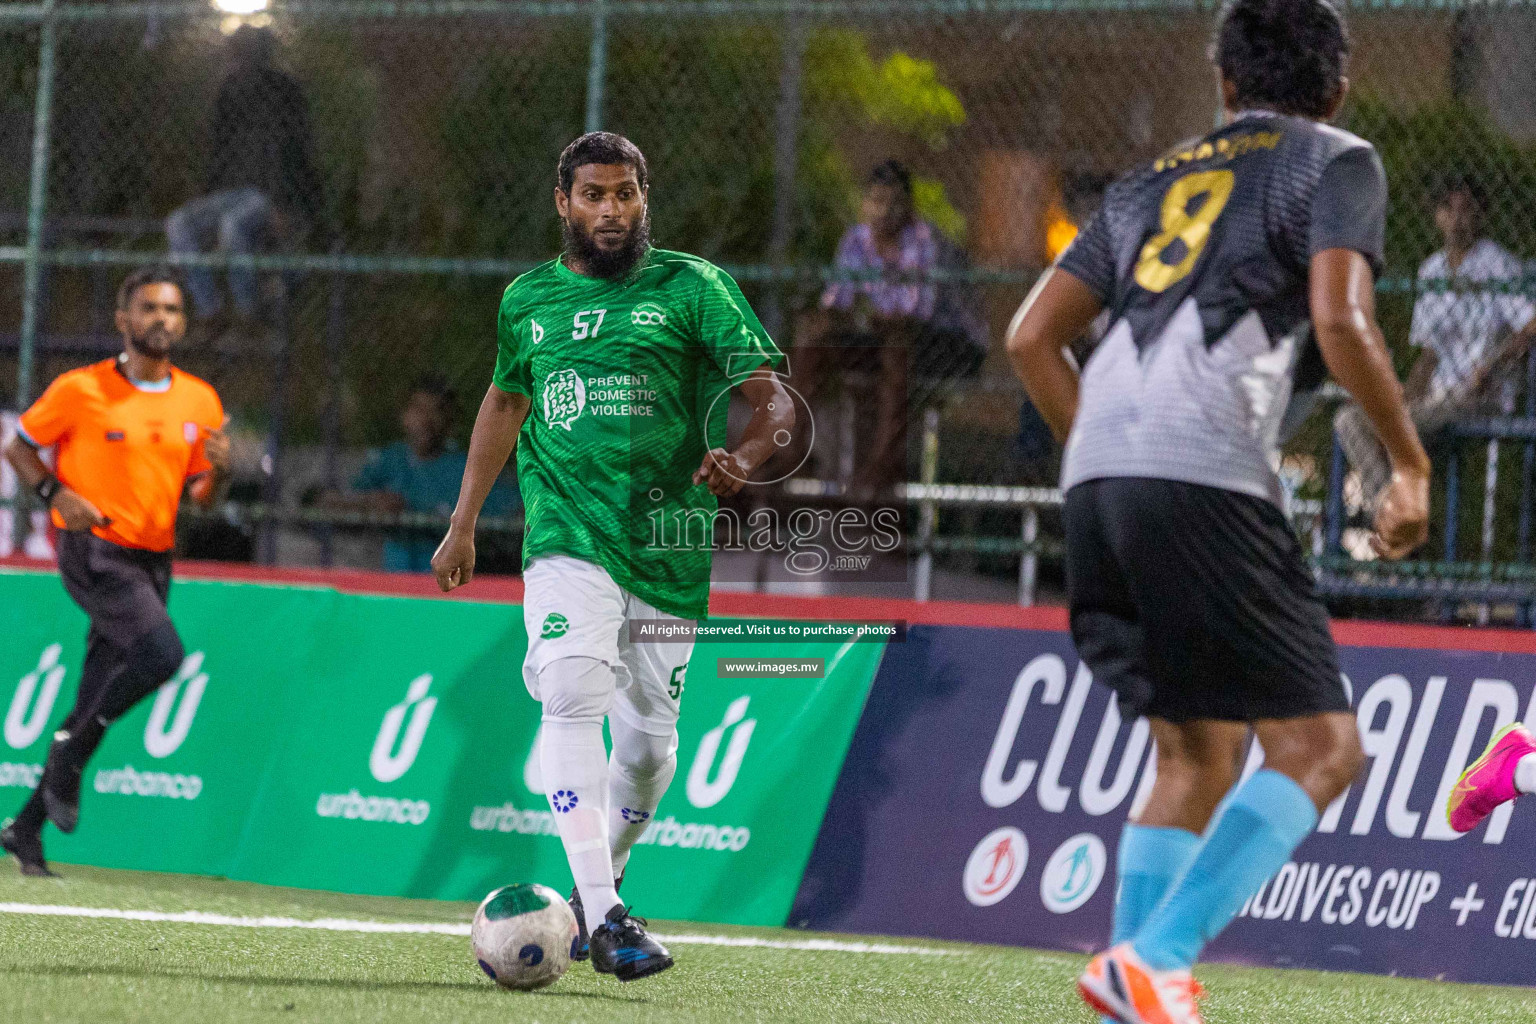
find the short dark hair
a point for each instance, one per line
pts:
(158, 274)
(1284, 55)
(438, 386)
(1447, 185)
(600, 148)
(893, 173)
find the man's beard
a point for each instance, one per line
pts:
(154, 343)
(609, 263)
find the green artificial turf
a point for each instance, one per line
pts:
(101, 971)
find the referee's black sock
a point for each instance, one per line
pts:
(154, 659)
(67, 757)
(86, 737)
(29, 820)
(78, 746)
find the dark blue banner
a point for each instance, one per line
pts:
(985, 789)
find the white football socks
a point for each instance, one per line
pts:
(1525, 774)
(639, 773)
(575, 767)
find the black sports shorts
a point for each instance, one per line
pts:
(1193, 602)
(123, 590)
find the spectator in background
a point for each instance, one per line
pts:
(262, 187)
(894, 324)
(1471, 335)
(418, 474)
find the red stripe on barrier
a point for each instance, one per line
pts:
(509, 590)
(489, 589)
(886, 609)
(1440, 638)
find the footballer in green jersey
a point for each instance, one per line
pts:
(624, 377)
(615, 364)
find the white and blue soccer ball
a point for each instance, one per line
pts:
(523, 935)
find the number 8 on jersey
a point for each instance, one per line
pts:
(1211, 189)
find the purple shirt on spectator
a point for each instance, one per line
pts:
(857, 251)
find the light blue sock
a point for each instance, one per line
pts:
(1149, 861)
(1265, 820)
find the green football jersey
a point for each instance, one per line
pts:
(629, 382)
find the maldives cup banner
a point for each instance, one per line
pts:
(1003, 774)
(388, 745)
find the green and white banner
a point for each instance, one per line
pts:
(387, 745)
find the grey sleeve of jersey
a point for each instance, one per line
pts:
(1091, 257)
(1349, 208)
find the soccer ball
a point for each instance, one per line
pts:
(523, 935)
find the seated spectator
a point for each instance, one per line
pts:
(1471, 336)
(419, 474)
(890, 325)
(262, 186)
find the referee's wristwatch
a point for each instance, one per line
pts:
(47, 488)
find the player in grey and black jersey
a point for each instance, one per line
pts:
(1202, 258)
(1233, 268)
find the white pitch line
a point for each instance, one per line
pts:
(826, 945)
(224, 920)
(330, 924)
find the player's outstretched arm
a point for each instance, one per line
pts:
(772, 427)
(1058, 311)
(1343, 300)
(490, 445)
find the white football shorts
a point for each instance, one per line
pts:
(573, 608)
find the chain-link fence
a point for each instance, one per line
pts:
(402, 159)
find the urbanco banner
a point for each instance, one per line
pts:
(172, 784)
(388, 745)
(411, 768)
(1003, 774)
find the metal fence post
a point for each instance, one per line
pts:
(1527, 611)
(272, 459)
(1463, 69)
(1029, 564)
(1333, 508)
(1523, 530)
(847, 433)
(786, 152)
(42, 113)
(927, 518)
(1490, 496)
(335, 329)
(1444, 610)
(597, 65)
(1452, 499)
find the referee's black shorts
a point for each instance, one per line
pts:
(1193, 602)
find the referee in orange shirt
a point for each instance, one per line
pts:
(132, 433)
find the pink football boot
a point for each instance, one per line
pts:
(1490, 780)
